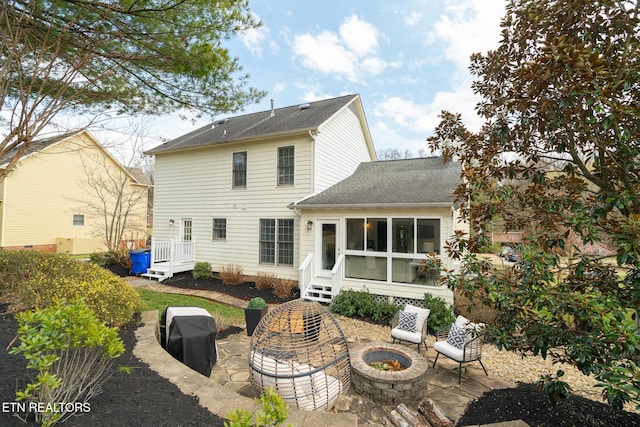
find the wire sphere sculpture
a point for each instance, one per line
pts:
(299, 350)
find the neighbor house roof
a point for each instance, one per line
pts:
(34, 147)
(38, 145)
(279, 121)
(402, 183)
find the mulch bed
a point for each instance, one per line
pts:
(244, 291)
(142, 398)
(529, 404)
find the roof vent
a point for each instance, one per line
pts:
(304, 106)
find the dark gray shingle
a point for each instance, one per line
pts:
(284, 120)
(393, 182)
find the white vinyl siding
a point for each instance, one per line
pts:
(340, 147)
(197, 184)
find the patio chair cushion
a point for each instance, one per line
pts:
(309, 392)
(401, 334)
(407, 321)
(457, 336)
(421, 315)
(449, 350)
(461, 321)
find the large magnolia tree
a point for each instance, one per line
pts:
(559, 157)
(116, 56)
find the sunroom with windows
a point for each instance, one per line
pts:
(391, 249)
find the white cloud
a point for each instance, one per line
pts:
(412, 19)
(468, 26)
(254, 38)
(352, 53)
(359, 36)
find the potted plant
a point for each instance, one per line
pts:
(255, 311)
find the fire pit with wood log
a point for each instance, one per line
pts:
(388, 374)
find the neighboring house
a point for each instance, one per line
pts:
(50, 200)
(260, 190)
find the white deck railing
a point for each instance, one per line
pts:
(336, 276)
(170, 252)
(305, 274)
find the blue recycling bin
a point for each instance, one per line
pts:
(140, 261)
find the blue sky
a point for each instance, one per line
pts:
(408, 60)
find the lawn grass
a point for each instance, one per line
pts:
(160, 301)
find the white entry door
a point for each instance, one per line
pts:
(327, 245)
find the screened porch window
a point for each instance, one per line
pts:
(391, 249)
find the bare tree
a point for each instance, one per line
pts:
(117, 189)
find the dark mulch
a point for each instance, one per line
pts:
(529, 404)
(142, 398)
(244, 291)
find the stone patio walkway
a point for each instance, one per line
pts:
(232, 372)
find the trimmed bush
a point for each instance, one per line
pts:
(40, 280)
(202, 270)
(441, 313)
(231, 274)
(362, 304)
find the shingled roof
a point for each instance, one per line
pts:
(411, 182)
(280, 121)
(34, 147)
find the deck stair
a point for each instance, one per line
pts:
(158, 272)
(170, 257)
(318, 292)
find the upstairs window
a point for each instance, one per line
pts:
(286, 157)
(240, 170)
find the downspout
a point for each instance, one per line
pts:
(312, 135)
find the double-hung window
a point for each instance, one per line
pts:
(286, 158)
(219, 229)
(276, 241)
(240, 169)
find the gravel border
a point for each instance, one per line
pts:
(507, 365)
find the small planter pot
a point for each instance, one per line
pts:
(252, 317)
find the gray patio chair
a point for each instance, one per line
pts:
(461, 342)
(410, 324)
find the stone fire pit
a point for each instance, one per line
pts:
(388, 387)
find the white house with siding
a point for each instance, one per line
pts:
(259, 190)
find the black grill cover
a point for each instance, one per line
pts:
(192, 341)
